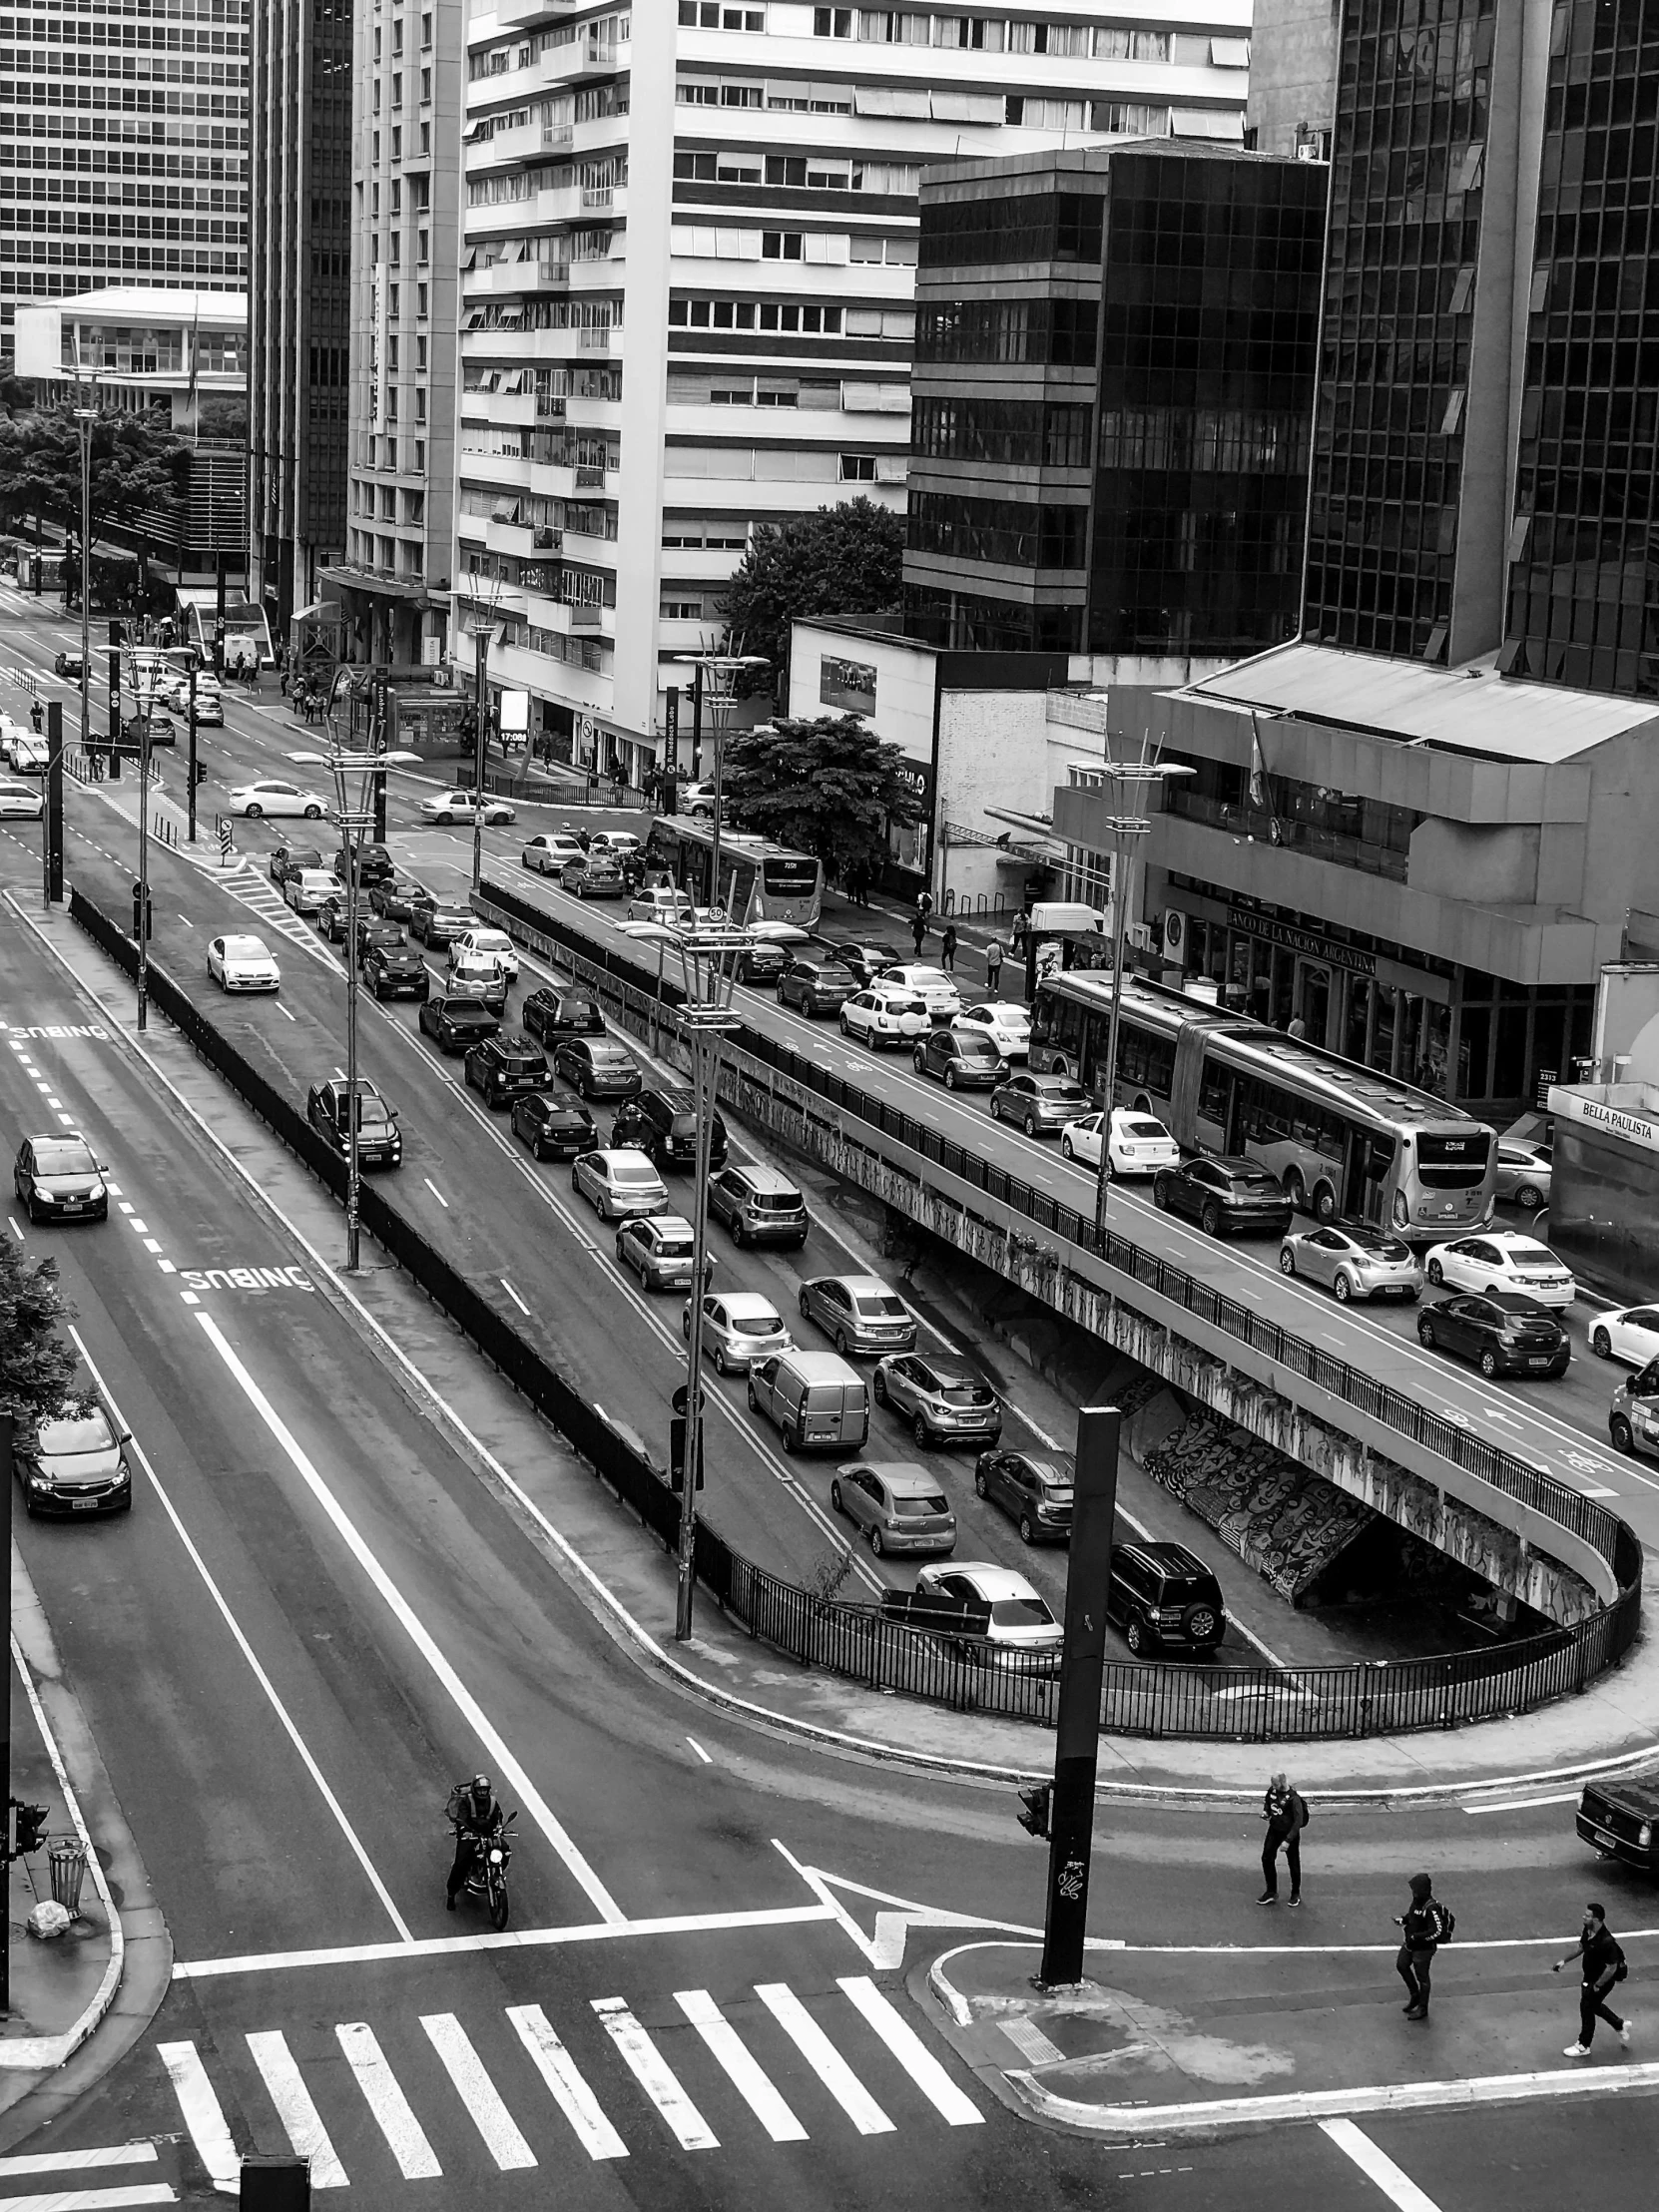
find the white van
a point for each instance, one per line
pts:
(819, 1403)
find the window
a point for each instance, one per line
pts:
(421, 296)
(858, 468)
(713, 15)
(832, 23)
(682, 610)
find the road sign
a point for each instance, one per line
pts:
(227, 838)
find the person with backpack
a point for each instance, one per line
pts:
(1602, 1964)
(1422, 1928)
(1286, 1811)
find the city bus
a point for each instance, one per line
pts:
(1344, 1139)
(758, 880)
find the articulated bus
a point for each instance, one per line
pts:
(758, 880)
(1344, 1139)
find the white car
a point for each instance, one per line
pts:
(695, 798)
(655, 902)
(1137, 1145)
(931, 986)
(487, 945)
(243, 964)
(210, 702)
(451, 807)
(1502, 1261)
(27, 754)
(1020, 1629)
(551, 854)
(1524, 1172)
(306, 891)
(738, 1326)
(883, 1015)
(617, 842)
(20, 803)
(1630, 1333)
(619, 1181)
(273, 796)
(1008, 1025)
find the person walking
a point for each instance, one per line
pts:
(947, 948)
(994, 967)
(1601, 1963)
(1286, 1814)
(918, 931)
(1422, 1928)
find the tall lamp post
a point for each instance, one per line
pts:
(483, 627)
(146, 675)
(717, 677)
(85, 417)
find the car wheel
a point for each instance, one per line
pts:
(1436, 1273)
(1210, 1220)
(1344, 1288)
(1601, 1343)
(835, 1497)
(842, 1345)
(313, 813)
(792, 1438)
(1135, 1638)
(846, 1026)
(1530, 1197)
(252, 813)
(1297, 1192)
(30, 1210)
(753, 1402)
(1160, 1195)
(876, 1543)
(950, 1079)
(740, 1235)
(1287, 1261)
(878, 1388)
(1426, 1333)
(805, 1310)
(1030, 1125)
(621, 1255)
(1202, 1625)
(923, 1433)
(721, 1366)
(1619, 1430)
(1028, 1532)
(1325, 1203)
(1489, 1364)
(981, 1488)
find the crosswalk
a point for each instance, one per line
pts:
(262, 898)
(509, 2093)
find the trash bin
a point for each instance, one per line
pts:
(69, 1867)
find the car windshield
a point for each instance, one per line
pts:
(831, 972)
(928, 980)
(676, 1244)
(372, 1110)
(1256, 1180)
(1021, 1612)
(756, 1325)
(245, 948)
(1533, 1253)
(1059, 1086)
(879, 1305)
(63, 1156)
(633, 1171)
(976, 1048)
(609, 1056)
(919, 1507)
(903, 1005)
(80, 1432)
(1379, 1248)
(775, 1202)
(1144, 1129)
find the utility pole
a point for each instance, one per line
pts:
(192, 802)
(480, 743)
(52, 812)
(8, 1423)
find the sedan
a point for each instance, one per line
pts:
(73, 1464)
(738, 1326)
(617, 842)
(1008, 1025)
(1629, 1332)
(452, 806)
(1503, 1334)
(1525, 1171)
(931, 986)
(554, 1128)
(882, 1016)
(310, 890)
(271, 795)
(1035, 1490)
(243, 964)
(1502, 1261)
(859, 1313)
(897, 1506)
(454, 1024)
(1137, 1145)
(293, 859)
(1224, 1193)
(20, 803)
(1353, 1261)
(555, 1012)
(1021, 1631)
(551, 854)
(658, 904)
(660, 1248)
(619, 1181)
(945, 1396)
(958, 1060)
(60, 1179)
(1038, 1103)
(487, 945)
(866, 957)
(210, 706)
(331, 918)
(598, 1067)
(396, 897)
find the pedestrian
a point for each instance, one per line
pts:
(1016, 935)
(1423, 1927)
(1601, 1963)
(918, 931)
(1298, 1029)
(947, 948)
(994, 967)
(1286, 1812)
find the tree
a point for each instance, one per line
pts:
(845, 560)
(37, 1366)
(138, 468)
(828, 788)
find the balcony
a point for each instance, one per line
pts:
(587, 617)
(595, 338)
(597, 198)
(589, 478)
(556, 137)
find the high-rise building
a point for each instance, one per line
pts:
(298, 296)
(408, 89)
(122, 149)
(688, 276)
(1293, 77)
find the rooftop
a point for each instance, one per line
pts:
(223, 310)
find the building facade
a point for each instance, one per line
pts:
(688, 293)
(122, 149)
(1293, 77)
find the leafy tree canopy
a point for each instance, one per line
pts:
(138, 467)
(845, 560)
(37, 1363)
(827, 786)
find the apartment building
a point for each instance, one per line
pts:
(688, 292)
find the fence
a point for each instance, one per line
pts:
(1245, 1703)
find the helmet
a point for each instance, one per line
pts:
(481, 1785)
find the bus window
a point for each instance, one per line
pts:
(789, 875)
(1214, 1094)
(1447, 1162)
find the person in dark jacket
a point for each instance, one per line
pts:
(1599, 1957)
(1421, 1929)
(1286, 1816)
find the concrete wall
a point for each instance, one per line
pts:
(1293, 71)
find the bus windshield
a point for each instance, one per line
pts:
(789, 875)
(1454, 1163)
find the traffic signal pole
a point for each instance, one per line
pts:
(7, 1438)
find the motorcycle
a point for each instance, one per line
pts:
(487, 1876)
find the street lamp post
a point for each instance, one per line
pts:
(715, 687)
(85, 417)
(146, 677)
(483, 634)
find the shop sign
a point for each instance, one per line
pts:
(1618, 1121)
(1309, 942)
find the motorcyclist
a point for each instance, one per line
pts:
(476, 1818)
(37, 717)
(630, 1128)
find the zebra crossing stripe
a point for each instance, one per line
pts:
(655, 2075)
(136, 2153)
(203, 2115)
(302, 2121)
(477, 2091)
(92, 2200)
(565, 2083)
(823, 2059)
(911, 2052)
(404, 2136)
(740, 2066)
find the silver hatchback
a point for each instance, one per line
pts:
(897, 1504)
(738, 1328)
(1354, 1260)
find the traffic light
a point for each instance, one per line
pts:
(1036, 1800)
(143, 894)
(25, 1828)
(201, 772)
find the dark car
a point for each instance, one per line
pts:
(669, 1132)
(73, 1464)
(763, 960)
(1162, 1595)
(396, 971)
(293, 859)
(396, 897)
(379, 1140)
(815, 986)
(454, 1024)
(945, 1396)
(508, 1066)
(865, 958)
(375, 864)
(552, 1012)
(68, 661)
(1621, 1819)
(440, 922)
(1502, 1332)
(374, 929)
(1035, 1488)
(331, 918)
(554, 1128)
(598, 1067)
(596, 875)
(59, 1178)
(958, 1059)
(1224, 1194)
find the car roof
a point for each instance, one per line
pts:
(747, 1302)
(949, 1363)
(1166, 1558)
(855, 1282)
(613, 1152)
(1234, 1163)
(1514, 1302)
(763, 1177)
(990, 1581)
(903, 1478)
(253, 946)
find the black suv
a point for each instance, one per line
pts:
(375, 864)
(379, 1140)
(1502, 1332)
(508, 1066)
(866, 957)
(669, 1134)
(436, 921)
(396, 971)
(1222, 1194)
(1619, 1819)
(1162, 1594)
(555, 1012)
(816, 986)
(457, 1023)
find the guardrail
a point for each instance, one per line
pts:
(1243, 1704)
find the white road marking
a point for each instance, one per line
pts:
(534, 1804)
(78, 2161)
(513, 1295)
(68, 1120)
(739, 2066)
(190, 1298)
(92, 2200)
(954, 2107)
(405, 2137)
(701, 1753)
(281, 1009)
(477, 2091)
(50, 1100)
(126, 1206)
(823, 2059)
(1524, 1804)
(149, 1245)
(11, 1224)
(437, 1193)
(565, 2083)
(203, 2115)
(302, 2121)
(138, 1228)
(185, 918)
(1396, 2185)
(655, 2075)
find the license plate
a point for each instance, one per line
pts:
(83, 1504)
(1543, 1362)
(72, 1205)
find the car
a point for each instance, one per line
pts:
(243, 964)
(617, 842)
(209, 706)
(1005, 1021)
(550, 854)
(556, 1011)
(598, 1067)
(69, 662)
(1633, 1418)
(884, 1015)
(330, 917)
(864, 958)
(1501, 1332)
(24, 753)
(1525, 1170)
(439, 920)
(1137, 1144)
(1619, 1816)
(1354, 1260)
(487, 945)
(897, 1504)
(454, 1024)
(594, 877)
(308, 891)
(618, 1180)
(656, 902)
(396, 971)
(60, 1178)
(1224, 1193)
(379, 1140)
(1628, 1333)
(1501, 1260)
(375, 932)
(694, 798)
(1038, 1103)
(375, 864)
(816, 986)
(506, 1066)
(738, 1326)
(660, 1248)
(930, 984)
(1034, 1488)
(758, 1205)
(859, 1313)
(554, 1128)
(453, 807)
(759, 959)
(667, 1118)
(1163, 1597)
(945, 1396)
(273, 796)
(293, 859)
(20, 803)
(957, 1059)
(1017, 1622)
(483, 981)
(395, 896)
(73, 1463)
